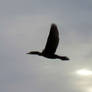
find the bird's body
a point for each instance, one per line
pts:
(51, 45)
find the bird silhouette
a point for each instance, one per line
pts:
(51, 45)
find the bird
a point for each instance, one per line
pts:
(51, 45)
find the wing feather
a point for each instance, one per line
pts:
(52, 41)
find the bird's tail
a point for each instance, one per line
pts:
(63, 57)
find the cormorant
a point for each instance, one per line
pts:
(51, 45)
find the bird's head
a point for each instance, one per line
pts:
(35, 52)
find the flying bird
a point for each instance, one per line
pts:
(51, 45)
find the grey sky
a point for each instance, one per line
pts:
(24, 26)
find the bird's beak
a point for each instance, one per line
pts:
(28, 53)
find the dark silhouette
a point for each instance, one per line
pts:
(51, 45)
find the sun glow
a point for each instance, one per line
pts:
(84, 72)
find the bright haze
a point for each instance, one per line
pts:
(24, 27)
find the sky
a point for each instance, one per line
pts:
(24, 27)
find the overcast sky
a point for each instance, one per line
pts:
(25, 25)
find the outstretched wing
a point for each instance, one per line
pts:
(52, 41)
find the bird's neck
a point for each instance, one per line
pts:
(36, 53)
